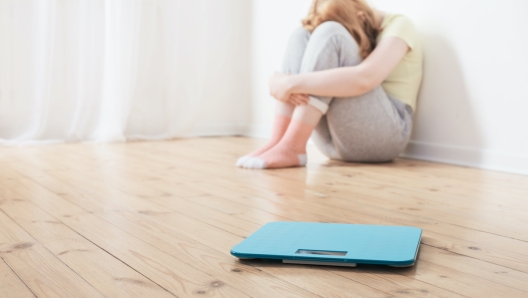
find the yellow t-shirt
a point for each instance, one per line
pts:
(404, 81)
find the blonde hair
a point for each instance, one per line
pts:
(355, 15)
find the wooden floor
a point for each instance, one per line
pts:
(158, 219)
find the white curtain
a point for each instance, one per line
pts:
(104, 70)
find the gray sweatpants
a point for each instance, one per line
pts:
(372, 127)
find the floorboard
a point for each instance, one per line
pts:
(158, 219)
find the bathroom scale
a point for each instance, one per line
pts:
(332, 244)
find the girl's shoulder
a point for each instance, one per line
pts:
(398, 25)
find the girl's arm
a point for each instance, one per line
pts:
(343, 81)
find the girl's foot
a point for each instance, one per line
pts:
(289, 152)
(280, 125)
(280, 156)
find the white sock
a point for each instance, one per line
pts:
(257, 163)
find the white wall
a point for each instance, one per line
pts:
(228, 91)
(272, 23)
(473, 106)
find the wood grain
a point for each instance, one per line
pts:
(159, 218)
(41, 271)
(10, 284)
(104, 272)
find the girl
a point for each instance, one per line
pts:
(350, 79)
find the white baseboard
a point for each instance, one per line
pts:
(467, 156)
(217, 129)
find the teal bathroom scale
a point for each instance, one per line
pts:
(332, 244)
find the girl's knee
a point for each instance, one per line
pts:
(300, 34)
(336, 32)
(330, 28)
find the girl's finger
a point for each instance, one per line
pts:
(302, 97)
(296, 98)
(302, 102)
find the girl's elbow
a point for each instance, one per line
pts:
(367, 85)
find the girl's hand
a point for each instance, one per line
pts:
(298, 99)
(279, 89)
(278, 86)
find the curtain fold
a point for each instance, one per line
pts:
(105, 70)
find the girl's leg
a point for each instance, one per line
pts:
(372, 127)
(291, 149)
(330, 46)
(284, 111)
